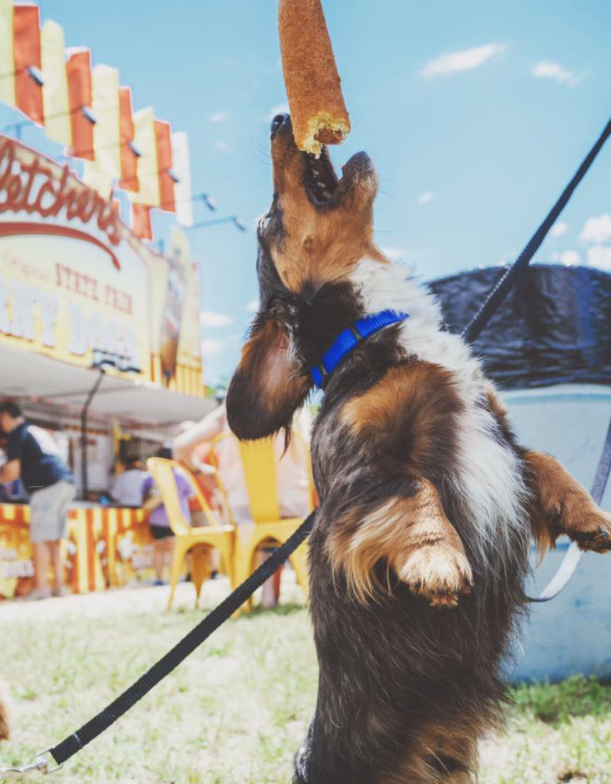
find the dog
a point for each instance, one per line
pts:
(419, 551)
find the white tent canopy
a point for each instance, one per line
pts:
(39, 379)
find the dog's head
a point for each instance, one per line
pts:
(313, 236)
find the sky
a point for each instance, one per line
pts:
(475, 113)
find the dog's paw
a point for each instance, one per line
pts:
(438, 573)
(591, 528)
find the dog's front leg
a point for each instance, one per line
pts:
(563, 506)
(412, 536)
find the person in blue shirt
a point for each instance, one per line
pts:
(33, 457)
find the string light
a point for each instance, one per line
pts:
(237, 222)
(207, 199)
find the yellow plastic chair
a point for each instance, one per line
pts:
(259, 464)
(199, 540)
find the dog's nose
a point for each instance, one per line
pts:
(278, 122)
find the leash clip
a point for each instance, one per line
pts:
(40, 764)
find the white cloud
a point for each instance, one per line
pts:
(394, 254)
(219, 117)
(570, 258)
(558, 229)
(597, 229)
(211, 346)
(253, 305)
(208, 318)
(281, 108)
(546, 70)
(222, 145)
(425, 197)
(600, 256)
(466, 60)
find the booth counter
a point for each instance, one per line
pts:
(106, 547)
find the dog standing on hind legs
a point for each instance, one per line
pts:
(419, 551)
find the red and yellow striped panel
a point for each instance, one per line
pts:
(78, 68)
(187, 381)
(7, 57)
(148, 167)
(141, 224)
(129, 162)
(26, 43)
(55, 89)
(101, 173)
(104, 548)
(163, 138)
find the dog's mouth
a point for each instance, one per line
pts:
(320, 182)
(319, 179)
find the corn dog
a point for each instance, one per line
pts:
(313, 85)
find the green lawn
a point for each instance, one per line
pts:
(238, 708)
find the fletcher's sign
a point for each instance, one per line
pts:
(77, 286)
(73, 284)
(33, 184)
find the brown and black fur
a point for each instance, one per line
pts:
(4, 720)
(411, 623)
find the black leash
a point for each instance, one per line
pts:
(493, 302)
(89, 731)
(497, 296)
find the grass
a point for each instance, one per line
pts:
(237, 709)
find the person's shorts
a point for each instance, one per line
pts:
(49, 512)
(161, 531)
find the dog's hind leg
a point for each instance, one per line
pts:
(563, 506)
(440, 755)
(412, 534)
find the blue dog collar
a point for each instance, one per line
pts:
(347, 340)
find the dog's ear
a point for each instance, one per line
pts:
(269, 384)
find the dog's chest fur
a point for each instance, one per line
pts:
(476, 466)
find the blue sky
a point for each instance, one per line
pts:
(475, 113)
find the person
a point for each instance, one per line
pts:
(191, 446)
(126, 488)
(159, 522)
(32, 456)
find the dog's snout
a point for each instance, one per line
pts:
(278, 122)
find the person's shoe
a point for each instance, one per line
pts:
(63, 591)
(157, 583)
(36, 595)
